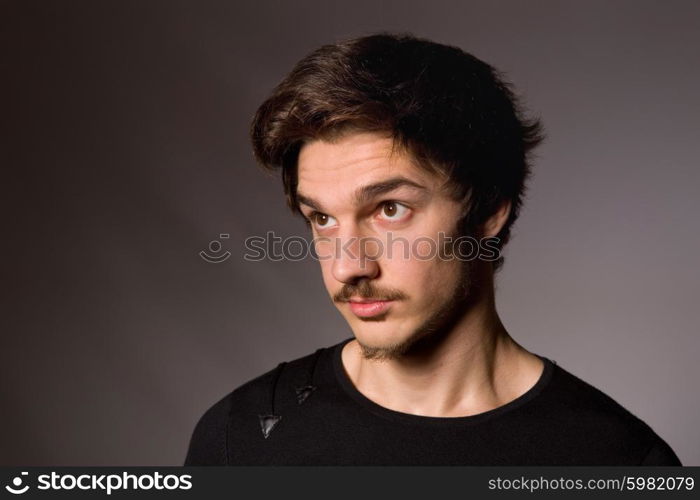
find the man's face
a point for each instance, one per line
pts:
(376, 220)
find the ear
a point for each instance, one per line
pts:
(493, 225)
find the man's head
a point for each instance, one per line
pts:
(397, 139)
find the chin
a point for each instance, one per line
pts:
(382, 342)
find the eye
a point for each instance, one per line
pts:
(322, 221)
(393, 211)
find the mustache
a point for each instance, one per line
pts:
(365, 290)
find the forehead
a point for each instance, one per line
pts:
(333, 171)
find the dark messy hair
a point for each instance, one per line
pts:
(451, 111)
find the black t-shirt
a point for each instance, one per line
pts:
(308, 412)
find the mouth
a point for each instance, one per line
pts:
(365, 308)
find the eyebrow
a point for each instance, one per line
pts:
(368, 192)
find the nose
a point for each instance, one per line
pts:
(355, 258)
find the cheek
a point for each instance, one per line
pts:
(431, 282)
(326, 274)
(323, 249)
(419, 279)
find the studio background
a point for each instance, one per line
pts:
(125, 153)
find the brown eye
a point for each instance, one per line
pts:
(322, 220)
(393, 211)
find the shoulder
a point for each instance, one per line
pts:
(603, 423)
(243, 406)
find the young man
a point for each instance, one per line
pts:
(397, 151)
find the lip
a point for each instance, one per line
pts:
(369, 308)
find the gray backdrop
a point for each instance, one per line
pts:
(125, 153)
